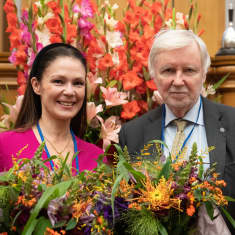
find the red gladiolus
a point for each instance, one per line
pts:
(131, 80)
(105, 62)
(9, 6)
(21, 78)
(130, 110)
(151, 85)
(21, 89)
(54, 25)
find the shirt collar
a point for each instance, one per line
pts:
(190, 116)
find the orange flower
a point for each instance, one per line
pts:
(54, 6)
(71, 33)
(21, 78)
(105, 62)
(55, 38)
(130, 110)
(21, 56)
(190, 210)
(9, 6)
(151, 85)
(54, 25)
(143, 105)
(131, 80)
(21, 89)
(15, 38)
(12, 22)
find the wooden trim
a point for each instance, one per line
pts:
(4, 57)
(8, 75)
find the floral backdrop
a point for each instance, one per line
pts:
(118, 83)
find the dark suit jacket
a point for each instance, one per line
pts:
(220, 131)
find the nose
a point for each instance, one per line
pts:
(178, 79)
(68, 89)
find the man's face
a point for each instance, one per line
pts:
(179, 78)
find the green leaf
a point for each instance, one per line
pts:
(229, 217)
(201, 170)
(112, 83)
(6, 110)
(41, 226)
(209, 209)
(114, 190)
(162, 229)
(57, 191)
(71, 224)
(230, 199)
(137, 175)
(220, 82)
(165, 171)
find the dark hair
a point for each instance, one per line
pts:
(30, 111)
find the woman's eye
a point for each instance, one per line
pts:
(79, 83)
(58, 81)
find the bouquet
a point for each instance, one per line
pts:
(119, 86)
(143, 197)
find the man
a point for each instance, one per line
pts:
(178, 62)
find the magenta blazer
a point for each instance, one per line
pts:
(11, 142)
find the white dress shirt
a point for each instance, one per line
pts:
(198, 134)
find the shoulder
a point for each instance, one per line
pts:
(217, 108)
(150, 116)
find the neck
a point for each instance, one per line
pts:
(55, 129)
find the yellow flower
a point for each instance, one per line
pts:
(158, 197)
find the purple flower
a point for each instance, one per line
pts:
(187, 189)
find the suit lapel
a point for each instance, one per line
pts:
(152, 131)
(216, 134)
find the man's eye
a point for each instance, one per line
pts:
(168, 70)
(189, 70)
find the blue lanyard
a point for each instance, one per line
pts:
(190, 133)
(48, 154)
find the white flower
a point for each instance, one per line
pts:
(43, 36)
(42, 20)
(110, 21)
(114, 39)
(115, 6)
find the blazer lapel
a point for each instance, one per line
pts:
(152, 131)
(216, 134)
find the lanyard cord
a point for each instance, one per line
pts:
(47, 152)
(190, 133)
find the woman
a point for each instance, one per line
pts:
(53, 110)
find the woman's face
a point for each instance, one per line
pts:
(62, 88)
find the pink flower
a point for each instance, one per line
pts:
(92, 83)
(25, 35)
(85, 10)
(9, 119)
(85, 27)
(12, 57)
(109, 130)
(113, 97)
(92, 110)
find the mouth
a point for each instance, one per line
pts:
(67, 104)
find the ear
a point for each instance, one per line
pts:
(36, 85)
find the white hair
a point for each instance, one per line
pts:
(167, 40)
